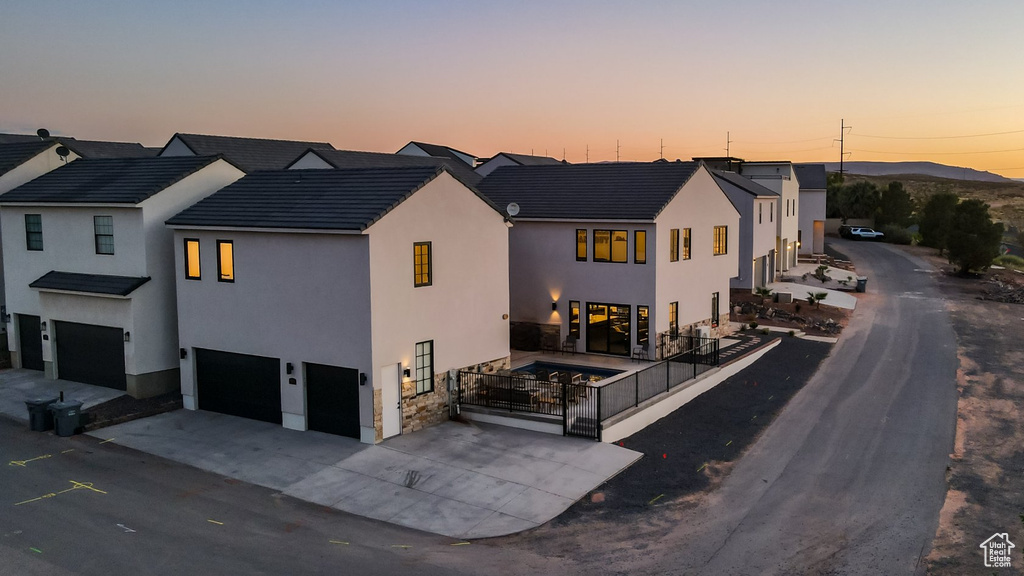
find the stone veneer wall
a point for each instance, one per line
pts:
(420, 411)
(378, 415)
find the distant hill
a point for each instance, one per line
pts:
(925, 168)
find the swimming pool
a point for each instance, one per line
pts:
(589, 372)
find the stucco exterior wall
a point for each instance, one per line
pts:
(177, 148)
(780, 177)
(493, 164)
(757, 233)
(309, 161)
(812, 207)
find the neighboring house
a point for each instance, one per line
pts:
(249, 154)
(89, 268)
(622, 257)
(813, 191)
(757, 228)
(509, 159)
(338, 300)
(325, 159)
(438, 151)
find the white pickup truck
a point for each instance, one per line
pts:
(866, 234)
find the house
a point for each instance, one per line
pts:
(89, 268)
(339, 300)
(617, 257)
(438, 151)
(757, 229)
(329, 159)
(813, 188)
(249, 154)
(509, 159)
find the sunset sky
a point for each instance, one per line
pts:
(911, 78)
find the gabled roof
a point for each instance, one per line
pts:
(612, 191)
(811, 176)
(14, 154)
(100, 149)
(342, 199)
(249, 154)
(745, 184)
(441, 151)
(15, 138)
(89, 283)
(527, 159)
(107, 180)
(359, 159)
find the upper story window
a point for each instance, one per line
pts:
(721, 245)
(760, 211)
(34, 231)
(640, 246)
(686, 243)
(422, 272)
(611, 246)
(192, 271)
(103, 228)
(673, 245)
(225, 261)
(581, 245)
(771, 212)
(787, 208)
(424, 367)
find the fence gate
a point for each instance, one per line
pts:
(581, 407)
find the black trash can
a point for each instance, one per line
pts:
(40, 419)
(862, 283)
(66, 417)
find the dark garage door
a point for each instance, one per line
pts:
(239, 384)
(90, 354)
(332, 399)
(31, 338)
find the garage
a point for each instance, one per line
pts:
(31, 338)
(90, 354)
(332, 400)
(239, 384)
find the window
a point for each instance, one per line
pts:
(581, 245)
(760, 211)
(673, 318)
(640, 247)
(721, 240)
(608, 328)
(225, 261)
(574, 319)
(714, 310)
(34, 231)
(103, 226)
(673, 245)
(686, 243)
(771, 212)
(787, 207)
(424, 367)
(192, 259)
(643, 326)
(421, 264)
(611, 246)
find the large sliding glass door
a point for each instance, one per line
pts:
(608, 328)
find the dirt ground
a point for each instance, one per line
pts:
(986, 474)
(804, 315)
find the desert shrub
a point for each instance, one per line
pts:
(792, 332)
(1010, 261)
(766, 331)
(753, 325)
(896, 234)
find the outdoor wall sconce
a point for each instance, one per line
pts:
(504, 316)
(406, 372)
(42, 326)
(288, 368)
(554, 306)
(362, 378)
(127, 336)
(4, 316)
(183, 353)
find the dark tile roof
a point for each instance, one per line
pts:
(100, 149)
(341, 199)
(15, 138)
(358, 159)
(528, 160)
(107, 180)
(14, 154)
(441, 151)
(611, 191)
(811, 176)
(91, 283)
(249, 154)
(743, 183)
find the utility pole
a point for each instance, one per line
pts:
(616, 150)
(662, 148)
(842, 154)
(728, 143)
(588, 153)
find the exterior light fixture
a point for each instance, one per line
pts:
(127, 336)
(406, 372)
(554, 306)
(182, 353)
(288, 368)
(362, 378)
(42, 326)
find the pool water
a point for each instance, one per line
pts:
(589, 372)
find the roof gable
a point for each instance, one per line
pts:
(359, 159)
(249, 154)
(743, 183)
(440, 151)
(15, 154)
(811, 176)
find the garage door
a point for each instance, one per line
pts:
(90, 354)
(332, 399)
(239, 384)
(31, 338)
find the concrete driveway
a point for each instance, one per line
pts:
(18, 385)
(459, 480)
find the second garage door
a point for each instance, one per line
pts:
(90, 354)
(239, 384)
(332, 399)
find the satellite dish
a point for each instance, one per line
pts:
(512, 209)
(62, 151)
(43, 133)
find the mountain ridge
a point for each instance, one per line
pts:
(864, 168)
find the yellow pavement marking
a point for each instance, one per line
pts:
(400, 546)
(75, 486)
(36, 550)
(338, 542)
(655, 499)
(461, 544)
(703, 466)
(23, 462)
(729, 442)
(215, 522)
(108, 440)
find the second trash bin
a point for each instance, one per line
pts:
(40, 419)
(862, 283)
(66, 417)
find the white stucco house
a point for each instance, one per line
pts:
(338, 300)
(813, 191)
(89, 268)
(509, 159)
(622, 257)
(437, 151)
(757, 229)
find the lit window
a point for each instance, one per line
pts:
(714, 310)
(574, 319)
(34, 231)
(225, 261)
(424, 367)
(640, 247)
(421, 264)
(192, 259)
(721, 240)
(643, 327)
(673, 318)
(602, 246)
(686, 243)
(620, 246)
(103, 226)
(581, 245)
(673, 245)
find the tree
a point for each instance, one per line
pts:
(896, 207)
(858, 200)
(973, 239)
(835, 184)
(936, 218)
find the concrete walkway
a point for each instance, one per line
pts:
(18, 385)
(835, 298)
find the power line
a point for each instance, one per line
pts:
(943, 153)
(938, 137)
